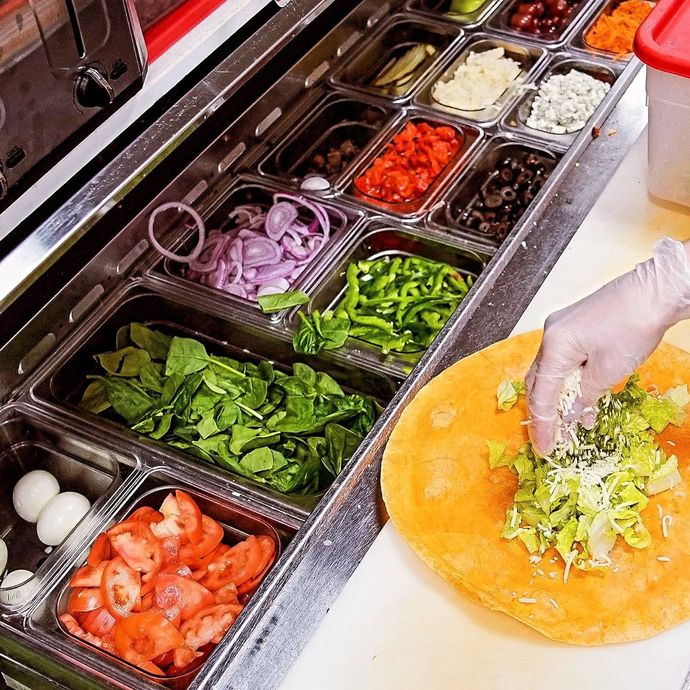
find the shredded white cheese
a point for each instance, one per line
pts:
(666, 522)
(527, 600)
(553, 603)
(663, 559)
(478, 82)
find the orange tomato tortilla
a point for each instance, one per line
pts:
(450, 507)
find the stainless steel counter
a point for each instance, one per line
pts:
(224, 125)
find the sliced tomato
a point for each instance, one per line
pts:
(87, 576)
(85, 599)
(100, 551)
(175, 593)
(150, 667)
(208, 625)
(170, 550)
(212, 535)
(163, 660)
(183, 657)
(98, 622)
(268, 548)
(144, 636)
(227, 594)
(239, 563)
(182, 518)
(146, 514)
(136, 544)
(75, 629)
(121, 588)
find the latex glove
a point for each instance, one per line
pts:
(609, 334)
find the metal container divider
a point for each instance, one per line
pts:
(362, 122)
(443, 9)
(530, 55)
(499, 21)
(371, 56)
(387, 239)
(516, 118)
(233, 336)
(245, 190)
(466, 189)
(415, 208)
(578, 41)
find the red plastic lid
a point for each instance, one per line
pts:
(663, 39)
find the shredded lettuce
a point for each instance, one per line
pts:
(507, 393)
(593, 488)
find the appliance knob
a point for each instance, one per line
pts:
(92, 89)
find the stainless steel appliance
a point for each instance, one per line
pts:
(64, 66)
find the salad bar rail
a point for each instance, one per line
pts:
(229, 131)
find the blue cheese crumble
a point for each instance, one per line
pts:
(565, 102)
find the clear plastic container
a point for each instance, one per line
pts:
(28, 444)
(663, 44)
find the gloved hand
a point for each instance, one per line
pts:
(609, 334)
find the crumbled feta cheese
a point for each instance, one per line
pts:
(478, 82)
(565, 102)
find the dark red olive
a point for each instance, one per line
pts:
(521, 22)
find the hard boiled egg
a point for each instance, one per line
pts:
(10, 593)
(3, 556)
(32, 492)
(60, 515)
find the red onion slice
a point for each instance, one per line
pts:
(194, 254)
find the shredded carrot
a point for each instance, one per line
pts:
(615, 32)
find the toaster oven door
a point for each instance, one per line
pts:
(64, 65)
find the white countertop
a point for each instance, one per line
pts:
(399, 626)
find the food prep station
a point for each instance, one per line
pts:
(250, 128)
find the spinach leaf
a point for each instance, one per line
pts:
(291, 432)
(255, 391)
(185, 356)
(341, 443)
(320, 332)
(155, 343)
(151, 376)
(95, 397)
(128, 400)
(284, 300)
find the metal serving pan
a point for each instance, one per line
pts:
(515, 120)
(375, 241)
(61, 384)
(447, 215)
(444, 9)
(528, 56)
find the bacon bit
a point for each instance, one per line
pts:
(596, 132)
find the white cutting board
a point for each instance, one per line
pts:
(399, 626)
